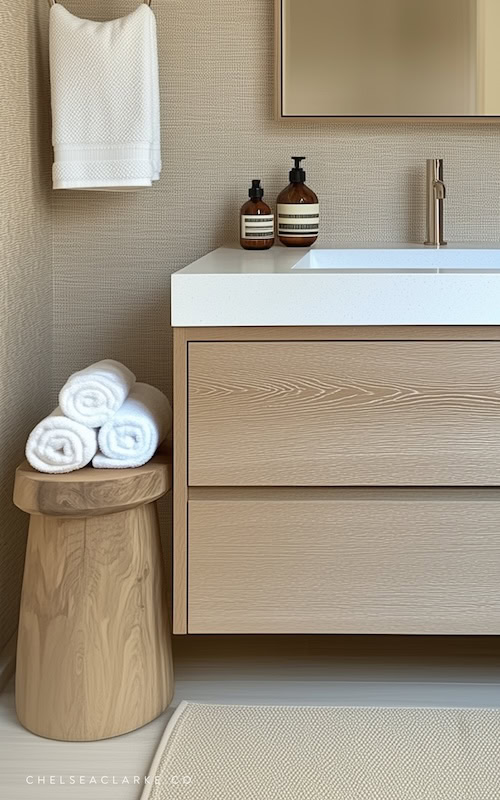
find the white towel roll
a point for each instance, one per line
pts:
(58, 444)
(131, 438)
(93, 395)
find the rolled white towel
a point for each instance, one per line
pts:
(58, 444)
(131, 438)
(93, 395)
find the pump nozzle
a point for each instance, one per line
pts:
(297, 174)
(256, 191)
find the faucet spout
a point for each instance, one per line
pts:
(439, 190)
(436, 194)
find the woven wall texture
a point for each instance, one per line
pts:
(114, 253)
(25, 269)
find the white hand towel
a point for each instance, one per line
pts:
(59, 444)
(105, 101)
(93, 395)
(131, 438)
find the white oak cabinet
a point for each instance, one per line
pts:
(337, 480)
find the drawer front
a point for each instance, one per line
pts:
(344, 413)
(364, 561)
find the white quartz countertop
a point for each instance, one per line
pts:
(390, 285)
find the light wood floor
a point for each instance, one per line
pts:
(311, 670)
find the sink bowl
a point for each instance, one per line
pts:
(449, 259)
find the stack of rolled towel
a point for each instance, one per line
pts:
(103, 417)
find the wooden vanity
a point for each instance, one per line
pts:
(337, 479)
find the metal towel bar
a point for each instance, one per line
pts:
(53, 2)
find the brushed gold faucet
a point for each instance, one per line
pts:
(436, 193)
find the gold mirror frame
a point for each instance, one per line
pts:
(279, 93)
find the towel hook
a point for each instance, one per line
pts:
(53, 2)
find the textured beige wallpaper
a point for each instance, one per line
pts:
(25, 269)
(114, 253)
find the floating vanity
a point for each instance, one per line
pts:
(337, 441)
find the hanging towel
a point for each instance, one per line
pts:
(105, 101)
(94, 394)
(59, 444)
(131, 438)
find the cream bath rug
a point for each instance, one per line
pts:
(229, 752)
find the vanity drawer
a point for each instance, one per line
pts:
(395, 561)
(342, 413)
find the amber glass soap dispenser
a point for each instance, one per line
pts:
(257, 221)
(298, 210)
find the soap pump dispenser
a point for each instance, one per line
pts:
(298, 210)
(257, 221)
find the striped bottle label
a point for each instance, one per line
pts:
(298, 219)
(257, 227)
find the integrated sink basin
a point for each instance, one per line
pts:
(403, 259)
(396, 285)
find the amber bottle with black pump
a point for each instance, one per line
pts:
(257, 221)
(298, 210)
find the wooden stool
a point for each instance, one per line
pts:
(93, 655)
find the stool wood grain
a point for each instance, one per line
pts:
(94, 656)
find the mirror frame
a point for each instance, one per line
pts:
(279, 93)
